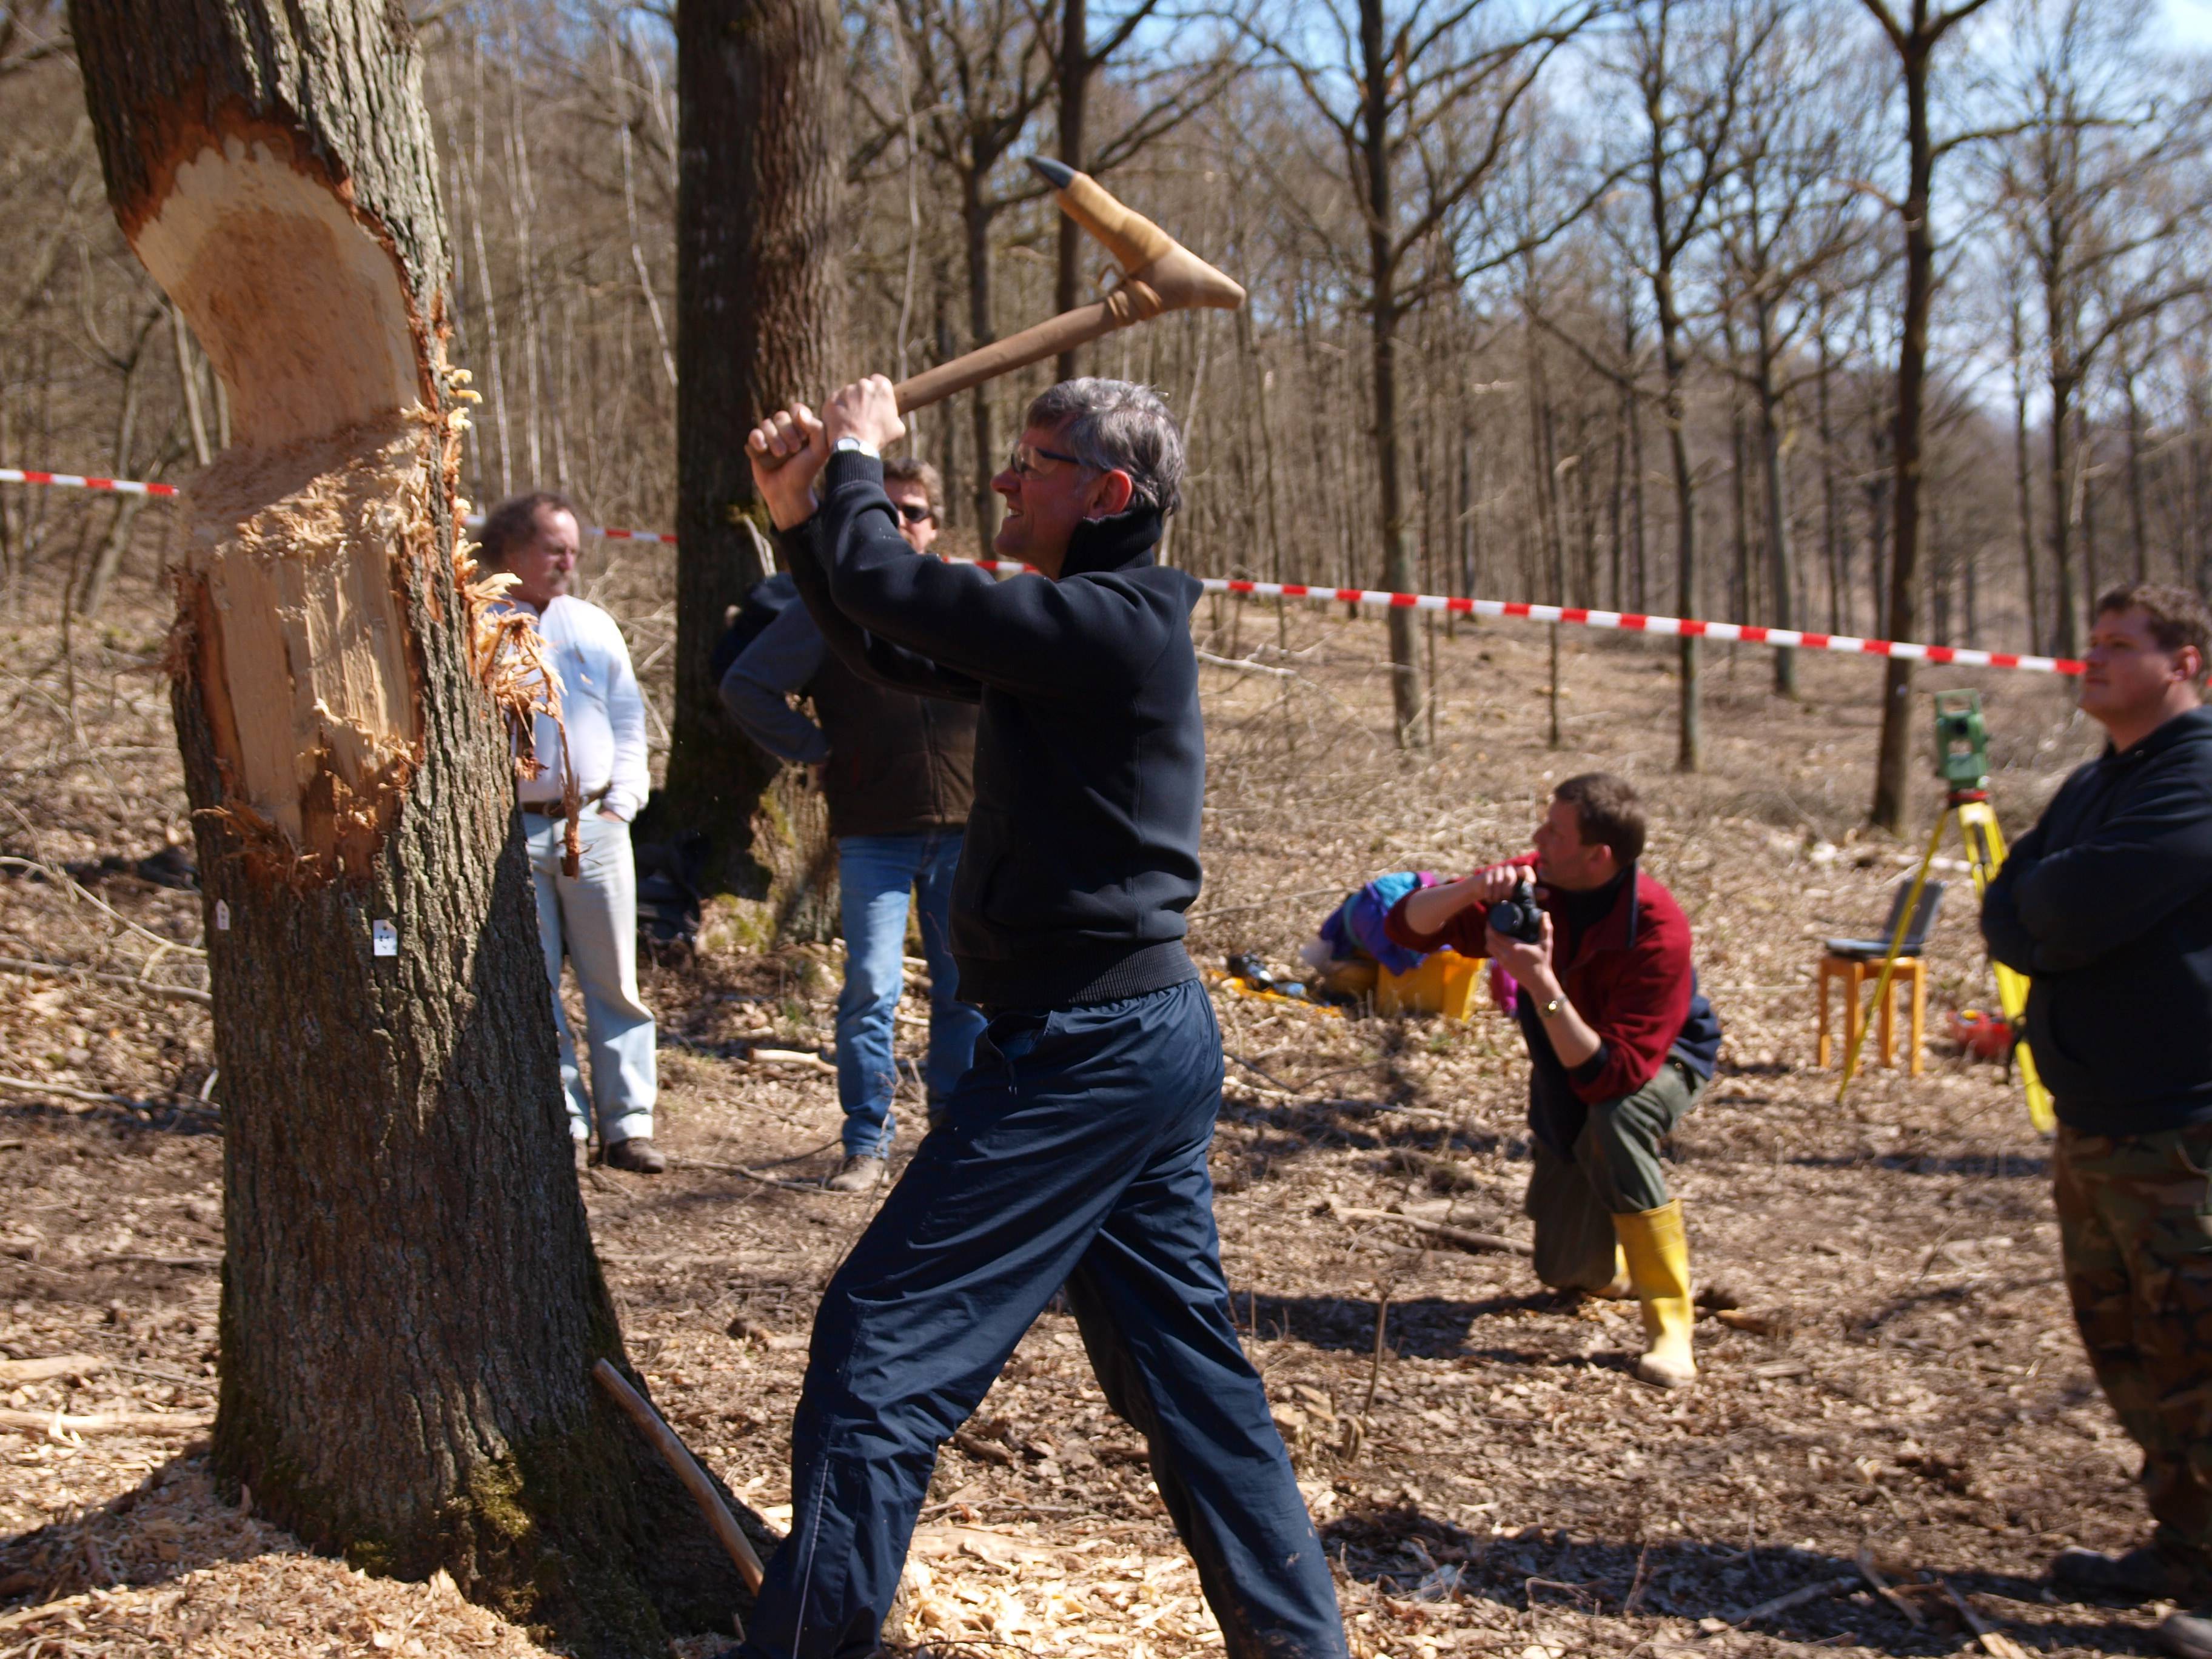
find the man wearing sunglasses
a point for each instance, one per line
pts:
(1073, 1151)
(897, 771)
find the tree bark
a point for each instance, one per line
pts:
(1075, 67)
(976, 213)
(2023, 501)
(1375, 69)
(1894, 754)
(759, 303)
(410, 1304)
(1782, 562)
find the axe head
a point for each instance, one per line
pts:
(1145, 252)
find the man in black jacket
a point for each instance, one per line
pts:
(898, 771)
(1074, 1149)
(2106, 904)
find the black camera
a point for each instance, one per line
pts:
(1518, 916)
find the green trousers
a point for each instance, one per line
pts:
(2135, 1223)
(1614, 1171)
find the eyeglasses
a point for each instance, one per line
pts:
(1022, 463)
(913, 512)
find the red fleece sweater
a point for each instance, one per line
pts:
(1629, 975)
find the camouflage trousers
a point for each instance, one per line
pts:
(2135, 1219)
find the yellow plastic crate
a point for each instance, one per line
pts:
(1446, 983)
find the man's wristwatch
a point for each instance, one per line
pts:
(850, 445)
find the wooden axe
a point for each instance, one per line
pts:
(1158, 274)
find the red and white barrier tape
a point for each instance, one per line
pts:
(71, 481)
(1578, 616)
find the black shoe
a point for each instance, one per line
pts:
(2145, 1573)
(638, 1155)
(2185, 1637)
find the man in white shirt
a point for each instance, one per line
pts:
(593, 914)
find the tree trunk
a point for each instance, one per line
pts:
(2138, 517)
(2064, 638)
(410, 1304)
(1781, 559)
(1381, 277)
(758, 305)
(975, 227)
(2023, 501)
(1894, 756)
(1075, 92)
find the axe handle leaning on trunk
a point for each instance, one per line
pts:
(720, 1521)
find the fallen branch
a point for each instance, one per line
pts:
(720, 1521)
(1881, 1586)
(60, 1365)
(981, 1449)
(104, 1422)
(1245, 664)
(1995, 1642)
(1797, 1598)
(790, 1057)
(29, 1086)
(1465, 1238)
(65, 970)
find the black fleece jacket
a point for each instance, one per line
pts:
(2107, 905)
(1081, 854)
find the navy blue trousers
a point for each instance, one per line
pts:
(1073, 1151)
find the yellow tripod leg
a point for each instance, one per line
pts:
(1896, 949)
(1985, 853)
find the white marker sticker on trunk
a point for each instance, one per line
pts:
(383, 938)
(222, 915)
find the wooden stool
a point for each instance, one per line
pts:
(1910, 972)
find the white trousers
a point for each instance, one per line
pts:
(593, 916)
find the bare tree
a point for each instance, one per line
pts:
(1788, 210)
(1427, 104)
(1914, 36)
(1688, 89)
(2098, 183)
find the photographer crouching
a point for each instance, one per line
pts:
(1620, 1045)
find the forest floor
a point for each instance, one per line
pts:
(1487, 1476)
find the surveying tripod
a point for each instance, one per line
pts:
(1962, 762)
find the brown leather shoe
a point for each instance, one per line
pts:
(638, 1155)
(858, 1172)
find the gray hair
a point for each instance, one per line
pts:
(1118, 426)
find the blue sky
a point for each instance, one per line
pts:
(2190, 21)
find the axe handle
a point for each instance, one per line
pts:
(1047, 339)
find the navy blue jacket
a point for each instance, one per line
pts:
(2107, 905)
(1082, 848)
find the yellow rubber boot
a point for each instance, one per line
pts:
(1659, 1267)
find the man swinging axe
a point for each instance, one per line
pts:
(1073, 1151)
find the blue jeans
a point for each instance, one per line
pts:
(1073, 1152)
(874, 875)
